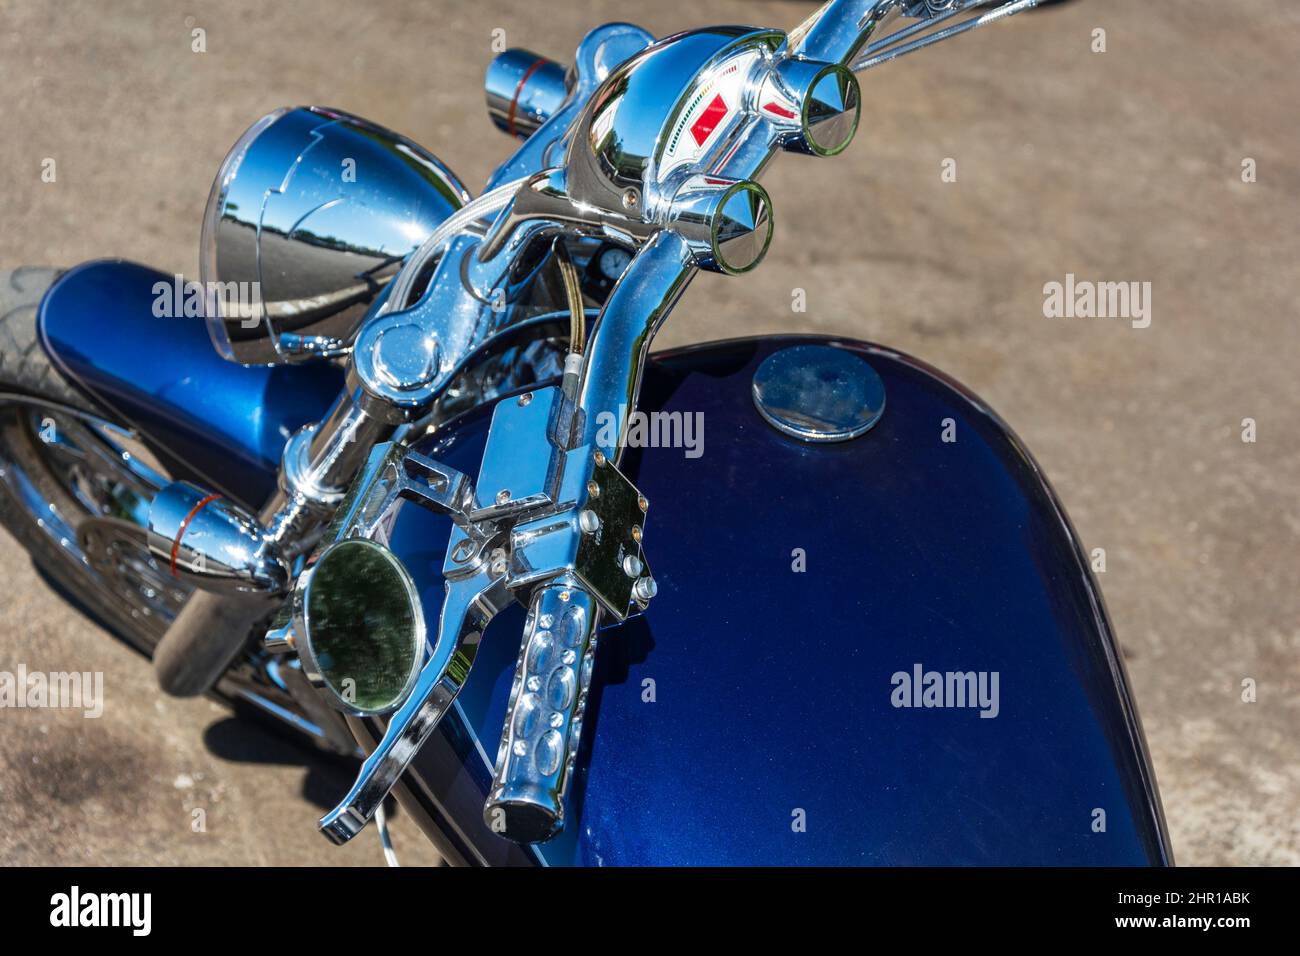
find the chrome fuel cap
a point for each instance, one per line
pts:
(818, 393)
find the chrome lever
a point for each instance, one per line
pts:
(470, 604)
(891, 47)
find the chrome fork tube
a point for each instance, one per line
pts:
(319, 462)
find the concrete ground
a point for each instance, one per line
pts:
(1123, 165)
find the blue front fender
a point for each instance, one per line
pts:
(211, 421)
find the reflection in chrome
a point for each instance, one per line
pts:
(315, 209)
(818, 393)
(653, 150)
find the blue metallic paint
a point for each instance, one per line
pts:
(773, 687)
(219, 424)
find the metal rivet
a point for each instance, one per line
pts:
(642, 503)
(636, 533)
(525, 398)
(599, 458)
(503, 496)
(565, 595)
(632, 566)
(631, 199)
(589, 521)
(593, 489)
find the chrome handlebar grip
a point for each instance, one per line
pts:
(543, 727)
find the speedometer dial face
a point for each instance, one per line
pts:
(711, 108)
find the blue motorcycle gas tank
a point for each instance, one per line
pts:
(758, 712)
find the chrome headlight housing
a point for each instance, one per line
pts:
(311, 214)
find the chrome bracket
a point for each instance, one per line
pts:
(596, 538)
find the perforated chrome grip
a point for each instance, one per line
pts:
(543, 727)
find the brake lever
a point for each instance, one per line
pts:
(474, 592)
(472, 599)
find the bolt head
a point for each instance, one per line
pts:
(588, 521)
(632, 566)
(645, 589)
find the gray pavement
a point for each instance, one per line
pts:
(1117, 166)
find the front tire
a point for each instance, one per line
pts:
(64, 465)
(75, 490)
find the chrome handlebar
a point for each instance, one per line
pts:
(699, 207)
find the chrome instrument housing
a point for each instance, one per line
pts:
(632, 135)
(310, 216)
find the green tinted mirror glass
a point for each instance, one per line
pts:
(365, 629)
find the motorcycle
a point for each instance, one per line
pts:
(393, 424)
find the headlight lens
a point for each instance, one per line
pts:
(362, 627)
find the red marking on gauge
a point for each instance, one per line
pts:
(180, 532)
(779, 110)
(709, 120)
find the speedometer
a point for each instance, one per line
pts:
(711, 108)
